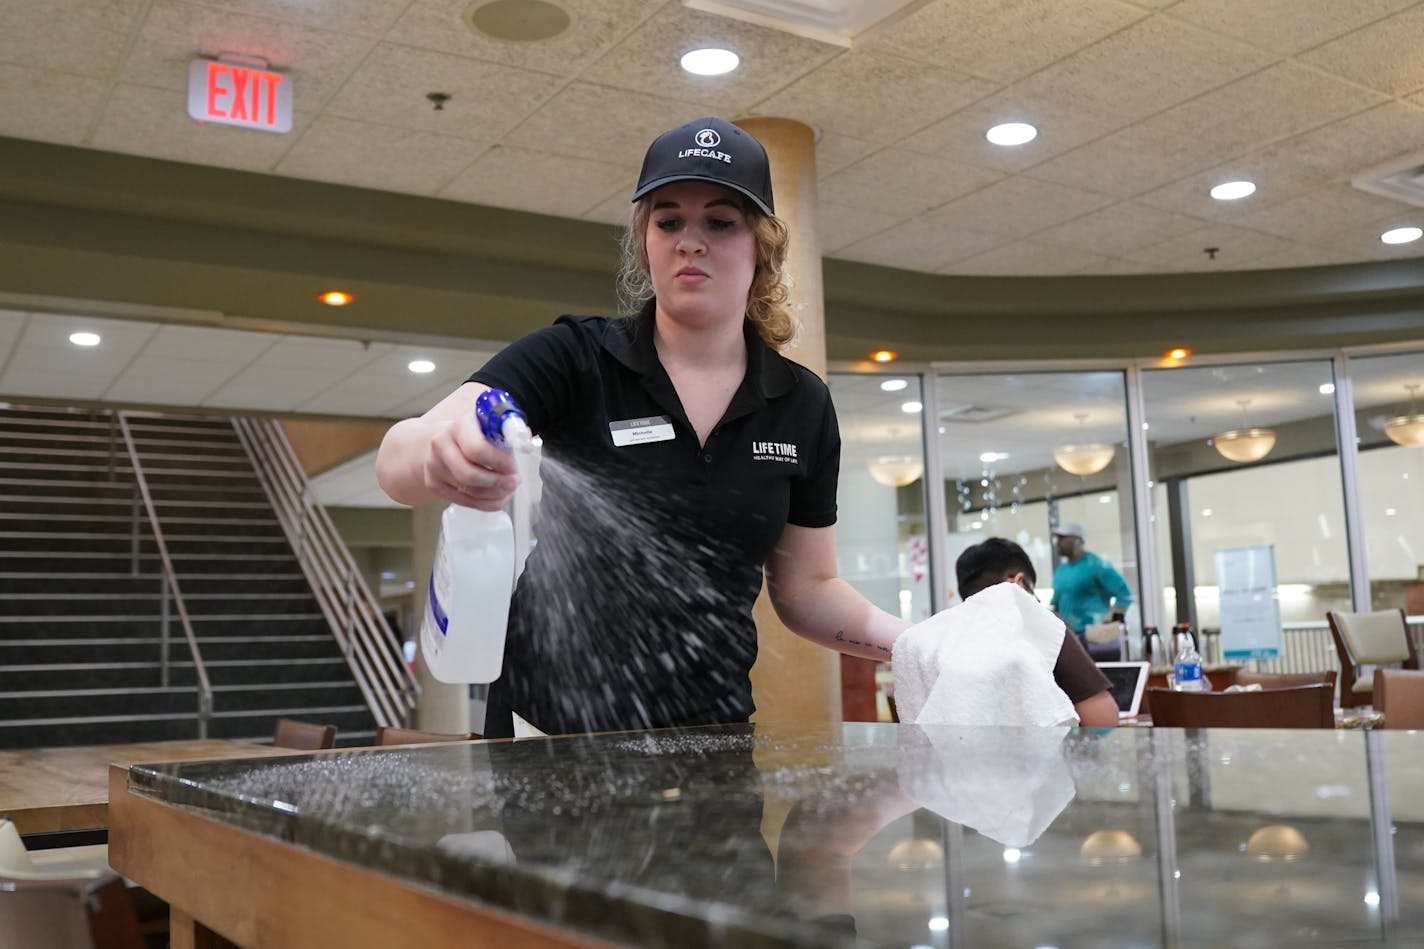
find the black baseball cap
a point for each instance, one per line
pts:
(709, 149)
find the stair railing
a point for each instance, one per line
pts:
(353, 613)
(170, 585)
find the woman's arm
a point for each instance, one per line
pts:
(814, 602)
(443, 455)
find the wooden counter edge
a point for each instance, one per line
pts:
(260, 892)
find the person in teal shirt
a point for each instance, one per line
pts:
(1086, 588)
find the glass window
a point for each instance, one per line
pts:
(1246, 475)
(881, 544)
(1026, 451)
(1390, 429)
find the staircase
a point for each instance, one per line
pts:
(94, 642)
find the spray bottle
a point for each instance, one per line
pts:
(476, 561)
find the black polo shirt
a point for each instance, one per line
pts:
(634, 609)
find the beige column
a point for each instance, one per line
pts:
(793, 679)
(441, 707)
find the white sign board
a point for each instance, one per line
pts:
(1250, 610)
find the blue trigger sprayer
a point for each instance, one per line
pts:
(477, 558)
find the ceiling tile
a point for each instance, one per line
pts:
(613, 209)
(1062, 126)
(1364, 239)
(1285, 26)
(1020, 206)
(601, 124)
(909, 95)
(343, 151)
(1280, 101)
(48, 382)
(903, 183)
(926, 243)
(1297, 255)
(1236, 247)
(1025, 258)
(1384, 55)
(140, 120)
(595, 25)
(268, 388)
(1120, 229)
(166, 380)
(48, 105)
(648, 59)
(486, 100)
(537, 181)
(1316, 215)
(1115, 166)
(834, 152)
(362, 17)
(321, 356)
(1150, 66)
(175, 32)
(1003, 41)
(840, 226)
(77, 36)
(1338, 152)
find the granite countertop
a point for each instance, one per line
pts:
(880, 835)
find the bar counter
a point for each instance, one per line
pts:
(848, 835)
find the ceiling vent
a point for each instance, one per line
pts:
(973, 414)
(1401, 179)
(839, 22)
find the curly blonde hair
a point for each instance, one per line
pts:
(768, 305)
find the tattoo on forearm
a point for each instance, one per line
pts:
(842, 638)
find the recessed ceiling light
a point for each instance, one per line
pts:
(894, 385)
(990, 456)
(1327, 388)
(910, 408)
(421, 366)
(1233, 190)
(1178, 353)
(1011, 133)
(710, 62)
(84, 339)
(336, 297)
(884, 355)
(1401, 235)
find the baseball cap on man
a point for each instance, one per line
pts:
(708, 149)
(1070, 529)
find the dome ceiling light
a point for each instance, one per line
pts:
(1233, 190)
(1245, 444)
(1010, 134)
(1407, 429)
(1083, 457)
(710, 62)
(896, 471)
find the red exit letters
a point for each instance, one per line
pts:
(232, 92)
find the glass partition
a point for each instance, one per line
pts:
(1025, 452)
(881, 543)
(1390, 428)
(1250, 503)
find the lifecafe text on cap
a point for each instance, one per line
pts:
(708, 149)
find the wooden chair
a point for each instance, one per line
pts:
(1374, 639)
(1304, 706)
(305, 736)
(1286, 680)
(64, 907)
(394, 735)
(1399, 694)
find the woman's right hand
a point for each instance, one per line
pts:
(463, 467)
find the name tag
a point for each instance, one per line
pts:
(640, 431)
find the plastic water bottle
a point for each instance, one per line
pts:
(467, 603)
(1187, 669)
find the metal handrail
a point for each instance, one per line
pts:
(205, 687)
(353, 613)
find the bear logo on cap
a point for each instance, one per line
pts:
(708, 138)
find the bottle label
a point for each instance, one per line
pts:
(1188, 671)
(437, 612)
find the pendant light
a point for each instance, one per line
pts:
(1244, 444)
(1407, 429)
(895, 471)
(1083, 457)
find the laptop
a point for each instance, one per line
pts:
(1126, 680)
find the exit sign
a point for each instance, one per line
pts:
(240, 91)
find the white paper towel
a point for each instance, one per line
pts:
(987, 661)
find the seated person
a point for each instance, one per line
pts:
(997, 560)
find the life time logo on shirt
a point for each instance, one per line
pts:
(774, 451)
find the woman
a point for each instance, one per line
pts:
(681, 456)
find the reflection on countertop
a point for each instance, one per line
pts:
(875, 834)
